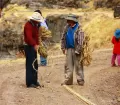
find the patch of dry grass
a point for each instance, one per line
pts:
(101, 29)
(16, 10)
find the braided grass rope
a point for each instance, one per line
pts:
(42, 51)
(86, 53)
(45, 33)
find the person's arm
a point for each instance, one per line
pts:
(80, 39)
(63, 46)
(113, 40)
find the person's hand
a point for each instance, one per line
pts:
(36, 47)
(76, 52)
(64, 51)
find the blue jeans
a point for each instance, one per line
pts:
(43, 61)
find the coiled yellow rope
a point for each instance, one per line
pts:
(86, 53)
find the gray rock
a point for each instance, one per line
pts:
(56, 24)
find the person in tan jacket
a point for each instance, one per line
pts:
(71, 45)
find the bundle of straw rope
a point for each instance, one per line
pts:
(86, 53)
(42, 51)
(45, 33)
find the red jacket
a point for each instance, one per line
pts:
(31, 34)
(116, 49)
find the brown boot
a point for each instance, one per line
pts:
(81, 82)
(66, 83)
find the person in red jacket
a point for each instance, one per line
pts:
(116, 48)
(31, 46)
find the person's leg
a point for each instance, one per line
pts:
(69, 67)
(79, 70)
(43, 61)
(118, 60)
(35, 74)
(28, 70)
(31, 74)
(113, 60)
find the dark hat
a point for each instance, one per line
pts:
(72, 17)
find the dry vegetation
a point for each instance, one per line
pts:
(99, 25)
(101, 29)
(101, 82)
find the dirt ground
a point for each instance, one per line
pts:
(102, 85)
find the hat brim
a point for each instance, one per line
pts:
(75, 20)
(38, 20)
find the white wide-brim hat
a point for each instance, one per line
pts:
(36, 17)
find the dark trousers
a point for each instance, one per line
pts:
(31, 74)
